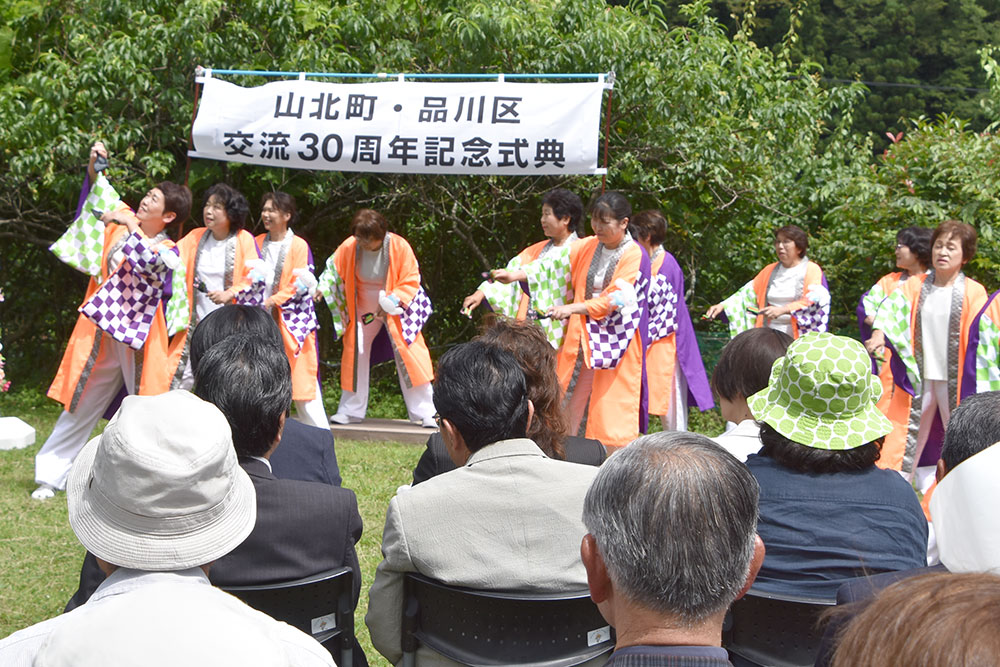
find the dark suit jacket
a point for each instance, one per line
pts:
(306, 453)
(302, 528)
(435, 459)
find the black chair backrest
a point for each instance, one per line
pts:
(321, 606)
(775, 630)
(496, 628)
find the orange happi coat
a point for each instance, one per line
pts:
(661, 361)
(814, 276)
(245, 250)
(903, 411)
(613, 412)
(304, 361)
(402, 279)
(86, 341)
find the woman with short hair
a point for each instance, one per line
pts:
(600, 363)
(827, 513)
(674, 367)
(928, 322)
(288, 295)
(372, 285)
(743, 369)
(790, 295)
(219, 258)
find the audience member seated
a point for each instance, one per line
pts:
(672, 542)
(742, 370)
(158, 498)
(508, 518)
(927, 621)
(303, 528)
(527, 342)
(827, 513)
(305, 453)
(964, 513)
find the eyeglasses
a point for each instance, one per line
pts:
(437, 419)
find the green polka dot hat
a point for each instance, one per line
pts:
(822, 394)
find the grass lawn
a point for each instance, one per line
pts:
(42, 556)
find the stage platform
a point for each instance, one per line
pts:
(382, 430)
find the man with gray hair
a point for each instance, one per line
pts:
(672, 541)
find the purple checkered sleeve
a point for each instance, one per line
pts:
(299, 316)
(125, 305)
(609, 338)
(662, 308)
(415, 315)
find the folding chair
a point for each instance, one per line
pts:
(321, 606)
(774, 630)
(497, 628)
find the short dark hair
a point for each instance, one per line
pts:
(744, 367)
(650, 225)
(226, 321)
(176, 200)
(974, 426)
(965, 232)
(248, 378)
(369, 224)
(674, 516)
(611, 204)
(236, 205)
(565, 204)
(481, 390)
(282, 201)
(796, 234)
(802, 458)
(918, 240)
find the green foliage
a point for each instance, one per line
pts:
(729, 139)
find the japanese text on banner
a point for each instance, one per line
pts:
(412, 127)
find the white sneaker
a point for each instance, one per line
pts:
(343, 419)
(43, 492)
(429, 422)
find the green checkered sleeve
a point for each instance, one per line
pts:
(737, 309)
(178, 311)
(988, 353)
(331, 286)
(550, 280)
(82, 244)
(504, 299)
(893, 319)
(873, 300)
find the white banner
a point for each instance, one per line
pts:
(403, 126)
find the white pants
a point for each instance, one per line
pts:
(115, 365)
(933, 400)
(312, 412)
(676, 418)
(419, 400)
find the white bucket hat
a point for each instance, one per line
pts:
(161, 489)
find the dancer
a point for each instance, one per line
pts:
(372, 285)
(131, 307)
(218, 259)
(674, 367)
(789, 295)
(289, 290)
(913, 256)
(602, 359)
(928, 321)
(561, 213)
